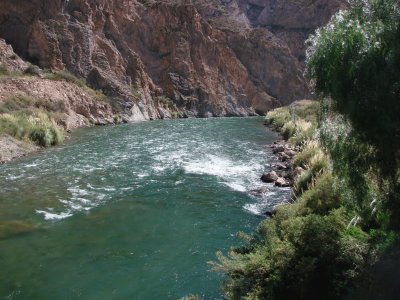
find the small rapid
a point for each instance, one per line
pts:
(146, 192)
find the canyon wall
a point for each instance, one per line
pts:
(153, 58)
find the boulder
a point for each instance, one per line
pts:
(291, 153)
(281, 182)
(281, 166)
(269, 177)
(284, 157)
(278, 148)
(259, 191)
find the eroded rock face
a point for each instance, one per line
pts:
(291, 20)
(137, 54)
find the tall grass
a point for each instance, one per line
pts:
(37, 126)
(28, 118)
(278, 117)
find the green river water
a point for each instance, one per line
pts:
(132, 211)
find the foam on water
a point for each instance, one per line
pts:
(267, 201)
(236, 163)
(54, 216)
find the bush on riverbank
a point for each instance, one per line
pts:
(37, 126)
(306, 249)
(346, 210)
(31, 119)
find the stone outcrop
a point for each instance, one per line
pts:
(153, 58)
(67, 101)
(291, 20)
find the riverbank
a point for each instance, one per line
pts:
(290, 122)
(38, 107)
(323, 234)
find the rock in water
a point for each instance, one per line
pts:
(269, 177)
(280, 182)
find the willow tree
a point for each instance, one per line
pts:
(355, 62)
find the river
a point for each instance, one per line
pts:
(132, 211)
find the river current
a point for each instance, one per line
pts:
(132, 211)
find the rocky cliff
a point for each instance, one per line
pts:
(159, 58)
(76, 104)
(291, 20)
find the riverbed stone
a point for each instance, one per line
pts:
(259, 191)
(290, 153)
(269, 177)
(284, 157)
(281, 166)
(278, 148)
(281, 182)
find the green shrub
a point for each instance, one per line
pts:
(191, 297)
(136, 91)
(304, 132)
(321, 198)
(303, 158)
(347, 210)
(278, 117)
(301, 257)
(36, 126)
(33, 70)
(316, 163)
(166, 102)
(307, 110)
(288, 130)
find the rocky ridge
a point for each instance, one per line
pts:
(71, 104)
(159, 59)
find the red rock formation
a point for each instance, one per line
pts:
(291, 20)
(137, 53)
(78, 105)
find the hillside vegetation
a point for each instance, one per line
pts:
(345, 212)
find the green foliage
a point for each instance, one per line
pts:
(317, 165)
(15, 103)
(346, 210)
(297, 122)
(303, 158)
(355, 60)
(303, 132)
(301, 257)
(322, 197)
(166, 102)
(278, 117)
(36, 126)
(32, 70)
(28, 118)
